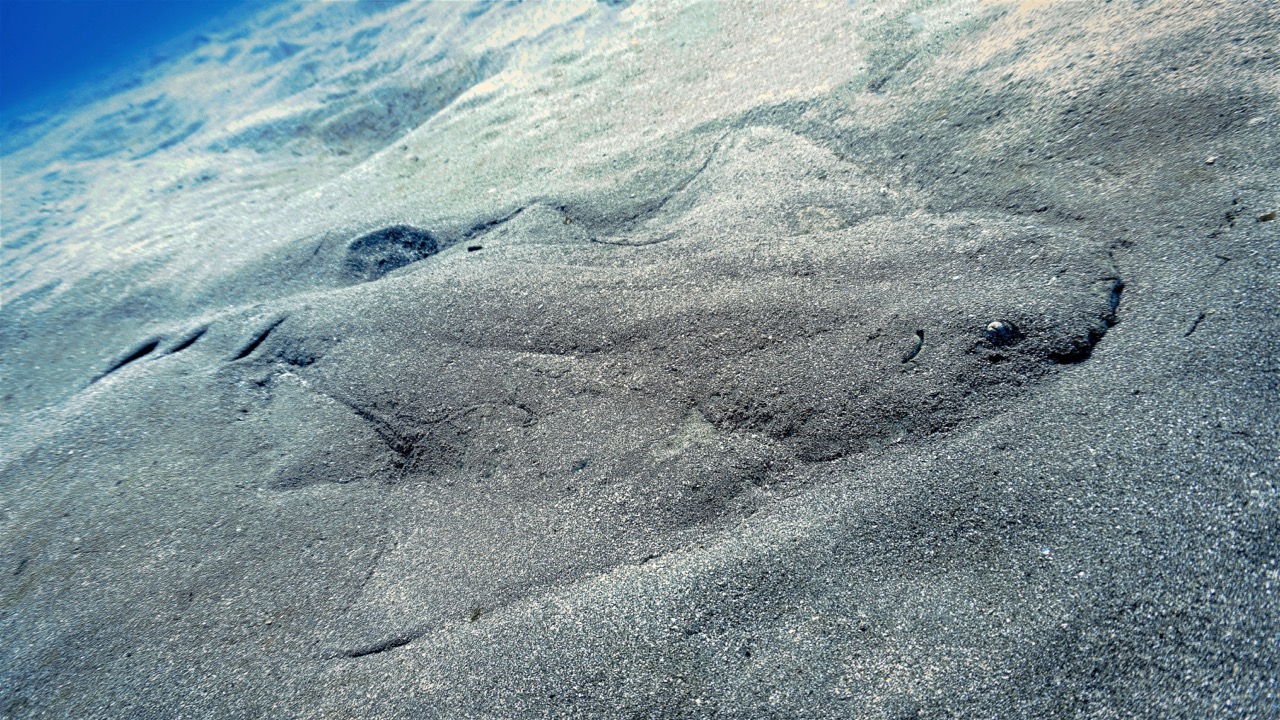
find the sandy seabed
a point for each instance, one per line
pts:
(650, 360)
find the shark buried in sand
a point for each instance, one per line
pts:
(664, 360)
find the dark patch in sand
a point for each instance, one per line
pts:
(137, 353)
(257, 340)
(372, 256)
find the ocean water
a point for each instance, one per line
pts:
(48, 48)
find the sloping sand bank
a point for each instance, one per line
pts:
(654, 360)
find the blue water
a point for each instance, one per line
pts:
(48, 47)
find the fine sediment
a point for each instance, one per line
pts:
(871, 360)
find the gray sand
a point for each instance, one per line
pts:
(855, 360)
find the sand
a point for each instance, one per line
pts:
(653, 360)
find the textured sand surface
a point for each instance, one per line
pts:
(654, 360)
